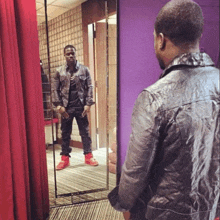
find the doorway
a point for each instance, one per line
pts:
(104, 75)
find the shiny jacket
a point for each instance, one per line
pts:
(60, 83)
(172, 165)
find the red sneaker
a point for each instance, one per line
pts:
(90, 160)
(63, 163)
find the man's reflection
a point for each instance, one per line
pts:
(72, 95)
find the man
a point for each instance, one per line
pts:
(73, 96)
(172, 166)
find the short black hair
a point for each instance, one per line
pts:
(181, 21)
(68, 46)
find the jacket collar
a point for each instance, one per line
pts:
(189, 59)
(76, 67)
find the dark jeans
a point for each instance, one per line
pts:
(66, 128)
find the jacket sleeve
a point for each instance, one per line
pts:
(89, 95)
(55, 85)
(140, 155)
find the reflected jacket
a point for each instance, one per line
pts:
(60, 82)
(172, 165)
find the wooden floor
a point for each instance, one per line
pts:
(78, 177)
(100, 210)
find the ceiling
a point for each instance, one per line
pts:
(54, 8)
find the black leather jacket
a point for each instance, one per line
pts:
(61, 85)
(172, 165)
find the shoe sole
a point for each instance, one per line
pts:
(94, 165)
(64, 167)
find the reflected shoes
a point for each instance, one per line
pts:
(90, 160)
(65, 162)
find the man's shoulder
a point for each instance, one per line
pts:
(158, 86)
(60, 68)
(81, 66)
(178, 87)
(83, 70)
(162, 90)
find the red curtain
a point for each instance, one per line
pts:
(23, 171)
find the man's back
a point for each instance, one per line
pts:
(172, 166)
(174, 149)
(185, 173)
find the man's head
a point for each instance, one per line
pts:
(70, 54)
(180, 23)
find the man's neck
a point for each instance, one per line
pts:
(194, 49)
(178, 51)
(72, 66)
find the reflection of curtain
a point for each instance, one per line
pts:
(23, 173)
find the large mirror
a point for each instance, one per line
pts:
(91, 27)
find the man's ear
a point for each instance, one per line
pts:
(162, 42)
(200, 37)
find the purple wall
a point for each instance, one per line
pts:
(138, 64)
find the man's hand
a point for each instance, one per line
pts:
(127, 215)
(62, 111)
(86, 110)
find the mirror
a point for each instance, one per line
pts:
(91, 27)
